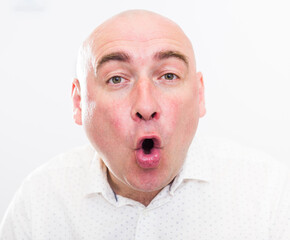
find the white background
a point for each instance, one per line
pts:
(242, 48)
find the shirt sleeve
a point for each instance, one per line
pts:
(280, 221)
(16, 223)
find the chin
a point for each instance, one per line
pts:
(149, 182)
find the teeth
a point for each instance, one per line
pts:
(147, 145)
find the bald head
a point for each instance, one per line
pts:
(139, 81)
(138, 26)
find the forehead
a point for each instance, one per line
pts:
(139, 52)
(140, 38)
(138, 27)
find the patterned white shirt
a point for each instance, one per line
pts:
(223, 192)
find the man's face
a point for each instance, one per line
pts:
(141, 101)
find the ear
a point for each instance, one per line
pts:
(76, 99)
(202, 109)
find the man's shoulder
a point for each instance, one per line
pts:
(228, 156)
(76, 159)
(59, 182)
(227, 149)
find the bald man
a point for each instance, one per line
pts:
(145, 175)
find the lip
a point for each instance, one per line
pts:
(156, 139)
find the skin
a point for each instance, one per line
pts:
(146, 102)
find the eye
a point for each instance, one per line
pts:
(169, 76)
(116, 80)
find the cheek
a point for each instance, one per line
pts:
(182, 116)
(171, 113)
(117, 120)
(181, 110)
(104, 118)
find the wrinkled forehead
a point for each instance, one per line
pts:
(144, 32)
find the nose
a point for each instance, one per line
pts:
(145, 101)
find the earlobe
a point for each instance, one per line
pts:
(202, 109)
(76, 99)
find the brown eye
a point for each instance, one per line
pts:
(169, 76)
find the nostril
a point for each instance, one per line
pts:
(146, 117)
(139, 115)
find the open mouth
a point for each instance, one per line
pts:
(147, 145)
(148, 152)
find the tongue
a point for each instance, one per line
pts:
(150, 160)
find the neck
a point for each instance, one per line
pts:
(125, 191)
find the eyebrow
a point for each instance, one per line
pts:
(115, 56)
(124, 57)
(171, 54)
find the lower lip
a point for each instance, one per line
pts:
(150, 160)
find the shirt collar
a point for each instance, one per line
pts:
(196, 166)
(197, 162)
(97, 179)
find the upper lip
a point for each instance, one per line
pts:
(156, 139)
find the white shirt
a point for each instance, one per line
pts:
(223, 192)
